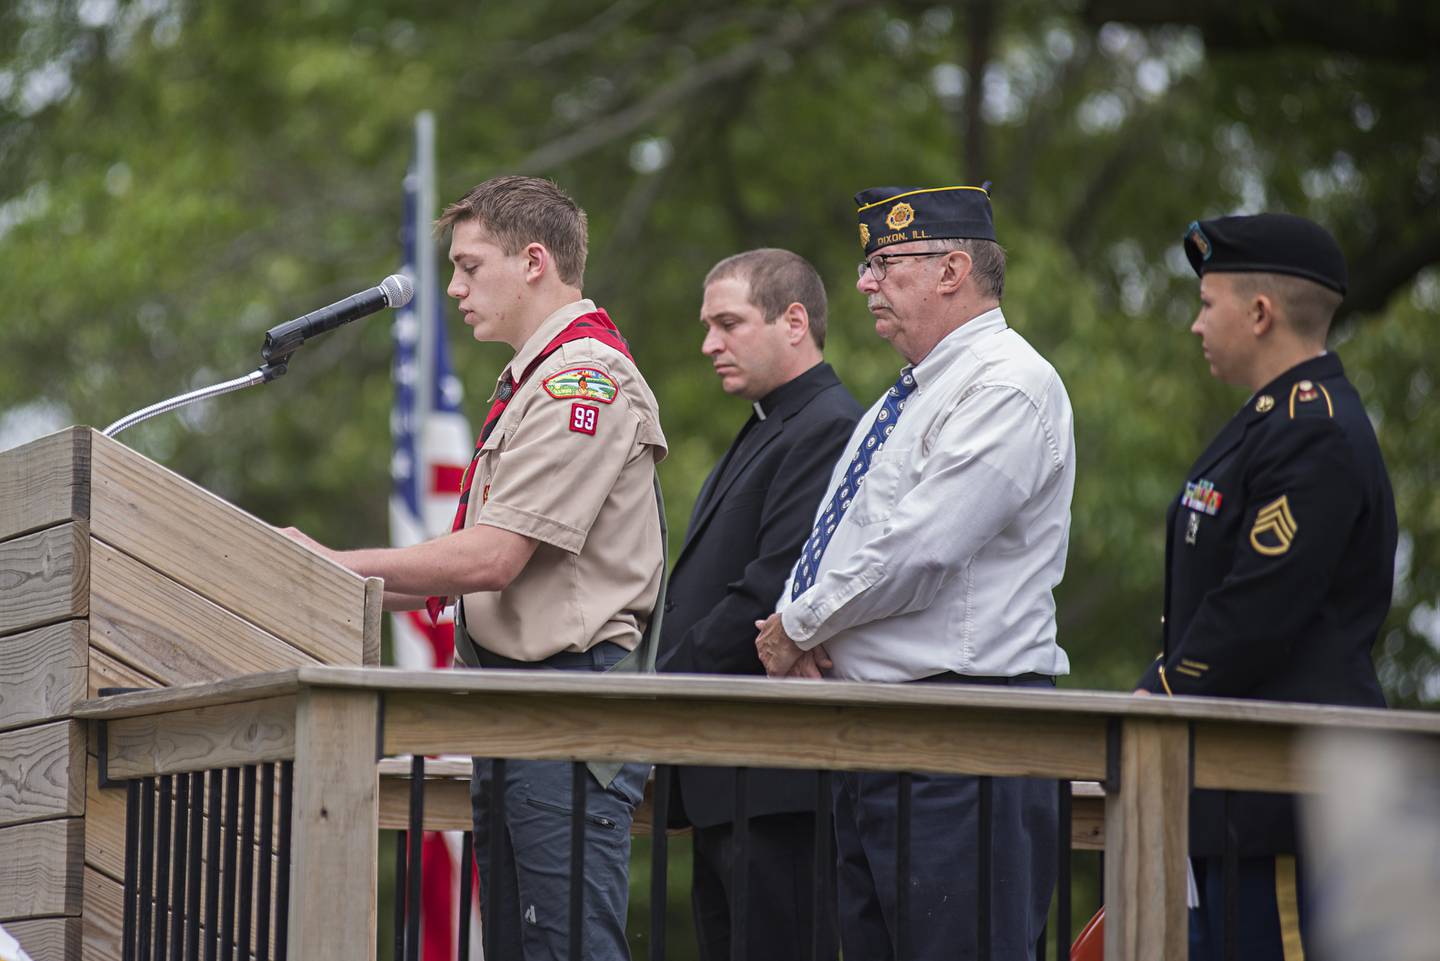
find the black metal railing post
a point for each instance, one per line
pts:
(659, 859)
(467, 893)
(740, 868)
(903, 784)
(416, 856)
(495, 852)
(578, 786)
(265, 856)
(147, 867)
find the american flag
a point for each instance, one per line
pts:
(432, 444)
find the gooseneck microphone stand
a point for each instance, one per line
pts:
(281, 342)
(261, 375)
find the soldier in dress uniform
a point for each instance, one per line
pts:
(1280, 548)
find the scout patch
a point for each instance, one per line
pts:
(582, 383)
(900, 216)
(1201, 495)
(1274, 529)
(583, 418)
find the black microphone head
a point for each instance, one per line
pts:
(397, 289)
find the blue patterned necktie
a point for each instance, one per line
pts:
(874, 441)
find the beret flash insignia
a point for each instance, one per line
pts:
(900, 216)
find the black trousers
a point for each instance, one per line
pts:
(780, 898)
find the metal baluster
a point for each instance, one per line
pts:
(282, 869)
(489, 899)
(212, 868)
(659, 860)
(227, 867)
(578, 776)
(902, 865)
(266, 854)
(467, 893)
(163, 829)
(247, 858)
(987, 861)
(740, 867)
(182, 862)
(147, 866)
(417, 861)
(1062, 905)
(132, 868)
(196, 866)
(824, 865)
(1230, 882)
(402, 885)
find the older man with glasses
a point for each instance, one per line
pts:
(933, 558)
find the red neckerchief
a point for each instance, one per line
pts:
(596, 325)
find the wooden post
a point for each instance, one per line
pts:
(334, 841)
(1146, 828)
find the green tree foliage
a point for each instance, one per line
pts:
(176, 177)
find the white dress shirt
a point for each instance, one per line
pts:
(949, 552)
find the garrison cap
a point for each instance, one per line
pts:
(1266, 243)
(893, 215)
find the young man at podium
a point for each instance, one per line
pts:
(555, 557)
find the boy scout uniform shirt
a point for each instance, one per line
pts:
(949, 552)
(571, 464)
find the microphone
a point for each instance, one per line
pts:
(283, 340)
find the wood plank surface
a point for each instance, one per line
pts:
(374, 617)
(45, 482)
(695, 686)
(1146, 825)
(447, 804)
(230, 557)
(973, 741)
(48, 939)
(42, 772)
(42, 673)
(44, 577)
(681, 689)
(202, 738)
(104, 917)
(1245, 758)
(336, 800)
(105, 672)
(40, 869)
(155, 624)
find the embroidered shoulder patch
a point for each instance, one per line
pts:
(582, 383)
(1274, 528)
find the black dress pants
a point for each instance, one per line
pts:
(780, 895)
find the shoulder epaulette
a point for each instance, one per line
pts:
(1306, 400)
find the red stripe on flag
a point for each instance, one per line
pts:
(441, 637)
(437, 895)
(445, 478)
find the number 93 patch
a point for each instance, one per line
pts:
(583, 418)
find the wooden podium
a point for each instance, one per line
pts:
(116, 572)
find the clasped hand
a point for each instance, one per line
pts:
(782, 657)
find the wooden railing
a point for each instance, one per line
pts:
(337, 723)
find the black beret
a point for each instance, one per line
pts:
(893, 215)
(1266, 243)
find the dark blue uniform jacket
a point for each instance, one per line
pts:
(1279, 562)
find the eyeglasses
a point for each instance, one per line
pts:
(879, 265)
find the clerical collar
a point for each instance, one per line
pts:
(759, 411)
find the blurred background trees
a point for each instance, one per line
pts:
(177, 176)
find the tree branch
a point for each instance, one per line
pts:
(1377, 31)
(727, 66)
